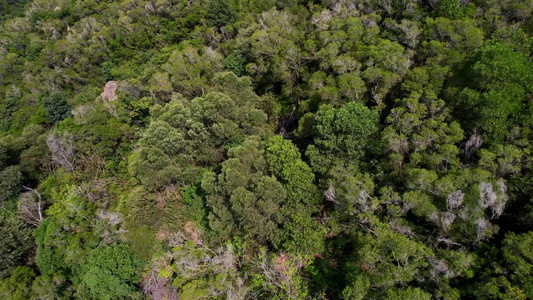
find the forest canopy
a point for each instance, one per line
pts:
(229, 149)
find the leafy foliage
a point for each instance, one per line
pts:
(266, 149)
(185, 138)
(16, 245)
(57, 107)
(502, 78)
(341, 135)
(112, 271)
(247, 196)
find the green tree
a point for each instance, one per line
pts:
(519, 260)
(341, 134)
(385, 259)
(19, 285)
(193, 68)
(235, 63)
(499, 78)
(57, 107)
(220, 13)
(270, 198)
(454, 9)
(408, 293)
(185, 138)
(113, 271)
(16, 241)
(10, 180)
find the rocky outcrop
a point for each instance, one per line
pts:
(109, 94)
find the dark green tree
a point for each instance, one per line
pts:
(16, 243)
(498, 81)
(57, 107)
(10, 180)
(220, 13)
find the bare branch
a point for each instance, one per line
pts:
(455, 200)
(30, 207)
(62, 147)
(474, 142)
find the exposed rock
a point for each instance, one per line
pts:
(109, 91)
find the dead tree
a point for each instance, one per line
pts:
(455, 200)
(30, 207)
(329, 194)
(483, 229)
(474, 142)
(193, 261)
(62, 148)
(159, 287)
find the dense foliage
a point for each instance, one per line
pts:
(328, 149)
